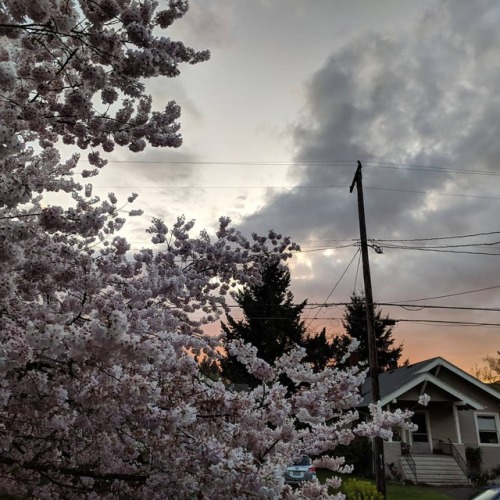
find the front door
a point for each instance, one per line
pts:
(421, 440)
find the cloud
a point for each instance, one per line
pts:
(401, 104)
(208, 24)
(424, 98)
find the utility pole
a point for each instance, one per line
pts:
(378, 443)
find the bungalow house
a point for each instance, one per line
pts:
(463, 412)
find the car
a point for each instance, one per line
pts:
(486, 493)
(301, 470)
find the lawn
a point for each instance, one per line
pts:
(399, 491)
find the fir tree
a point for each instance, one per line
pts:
(272, 323)
(320, 352)
(354, 323)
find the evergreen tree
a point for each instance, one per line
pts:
(354, 323)
(320, 352)
(271, 323)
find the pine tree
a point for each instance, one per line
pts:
(354, 323)
(271, 323)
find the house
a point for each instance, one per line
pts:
(463, 412)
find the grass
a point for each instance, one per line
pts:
(401, 492)
(397, 491)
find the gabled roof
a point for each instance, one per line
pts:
(399, 381)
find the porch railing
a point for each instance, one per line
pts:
(458, 457)
(410, 462)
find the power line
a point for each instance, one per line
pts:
(461, 245)
(322, 249)
(339, 280)
(430, 168)
(410, 306)
(311, 186)
(321, 163)
(400, 247)
(473, 235)
(428, 322)
(459, 195)
(425, 249)
(428, 306)
(447, 322)
(451, 294)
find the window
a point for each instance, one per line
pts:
(487, 429)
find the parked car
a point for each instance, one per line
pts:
(486, 493)
(301, 470)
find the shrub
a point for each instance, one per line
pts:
(361, 490)
(474, 460)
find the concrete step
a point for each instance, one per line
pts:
(435, 470)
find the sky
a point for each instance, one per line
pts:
(295, 93)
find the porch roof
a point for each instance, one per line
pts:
(395, 383)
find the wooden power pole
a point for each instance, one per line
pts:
(378, 443)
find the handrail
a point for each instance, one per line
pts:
(411, 463)
(458, 457)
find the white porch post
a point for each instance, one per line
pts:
(457, 422)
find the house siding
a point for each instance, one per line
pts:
(490, 453)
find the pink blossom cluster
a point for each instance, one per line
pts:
(101, 394)
(382, 422)
(64, 57)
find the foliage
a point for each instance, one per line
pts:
(398, 491)
(272, 324)
(319, 350)
(100, 393)
(490, 371)
(495, 471)
(474, 458)
(358, 454)
(477, 476)
(354, 323)
(355, 489)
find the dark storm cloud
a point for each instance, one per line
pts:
(423, 98)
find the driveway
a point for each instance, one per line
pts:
(457, 493)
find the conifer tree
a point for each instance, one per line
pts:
(272, 324)
(354, 323)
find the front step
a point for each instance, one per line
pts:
(435, 470)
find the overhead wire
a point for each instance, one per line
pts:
(337, 284)
(368, 163)
(451, 294)
(325, 305)
(424, 249)
(473, 235)
(303, 186)
(430, 322)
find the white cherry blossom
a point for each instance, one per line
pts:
(101, 395)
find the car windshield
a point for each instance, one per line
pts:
(485, 495)
(304, 460)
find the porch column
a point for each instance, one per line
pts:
(457, 421)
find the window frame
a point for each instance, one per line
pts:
(496, 418)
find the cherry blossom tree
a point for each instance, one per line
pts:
(100, 392)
